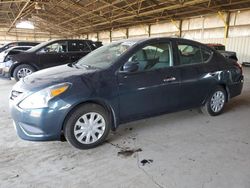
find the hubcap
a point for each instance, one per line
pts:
(217, 101)
(89, 128)
(23, 72)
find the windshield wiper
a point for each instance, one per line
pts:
(74, 64)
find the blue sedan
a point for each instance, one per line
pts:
(121, 82)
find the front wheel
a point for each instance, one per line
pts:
(215, 103)
(22, 71)
(87, 127)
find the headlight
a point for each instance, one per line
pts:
(41, 98)
(8, 63)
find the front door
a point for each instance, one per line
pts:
(54, 54)
(154, 87)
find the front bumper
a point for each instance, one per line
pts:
(37, 124)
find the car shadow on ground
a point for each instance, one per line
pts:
(132, 129)
(173, 119)
(242, 101)
(236, 104)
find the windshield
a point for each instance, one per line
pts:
(105, 56)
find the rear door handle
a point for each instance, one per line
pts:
(169, 79)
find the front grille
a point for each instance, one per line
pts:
(15, 94)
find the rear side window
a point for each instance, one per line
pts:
(83, 46)
(73, 46)
(206, 55)
(189, 54)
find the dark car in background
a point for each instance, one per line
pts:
(49, 54)
(222, 50)
(12, 44)
(5, 57)
(120, 82)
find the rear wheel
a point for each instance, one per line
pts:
(22, 71)
(215, 103)
(87, 127)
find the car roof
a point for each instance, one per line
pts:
(140, 39)
(56, 40)
(214, 44)
(145, 39)
(37, 47)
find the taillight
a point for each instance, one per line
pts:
(239, 66)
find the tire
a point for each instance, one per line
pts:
(80, 130)
(22, 70)
(216, 102)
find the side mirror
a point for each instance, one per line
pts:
(130, 66)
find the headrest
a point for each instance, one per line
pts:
(164, 57)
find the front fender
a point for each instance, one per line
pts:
(111, 108)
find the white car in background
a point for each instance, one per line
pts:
(12, 51)
(5, 55)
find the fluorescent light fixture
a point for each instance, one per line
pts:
(25, 25)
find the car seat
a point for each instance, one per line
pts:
(141, 58)
(163, 60)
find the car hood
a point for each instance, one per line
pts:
(54, 75)
(19, 56)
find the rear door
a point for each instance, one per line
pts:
(197, 71)
(154, 87)
(53, 54)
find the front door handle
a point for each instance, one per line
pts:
(169, 79)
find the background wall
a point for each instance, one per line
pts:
(206, 29)
(25, 35)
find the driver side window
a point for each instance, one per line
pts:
(58, 47)
(151, 57)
